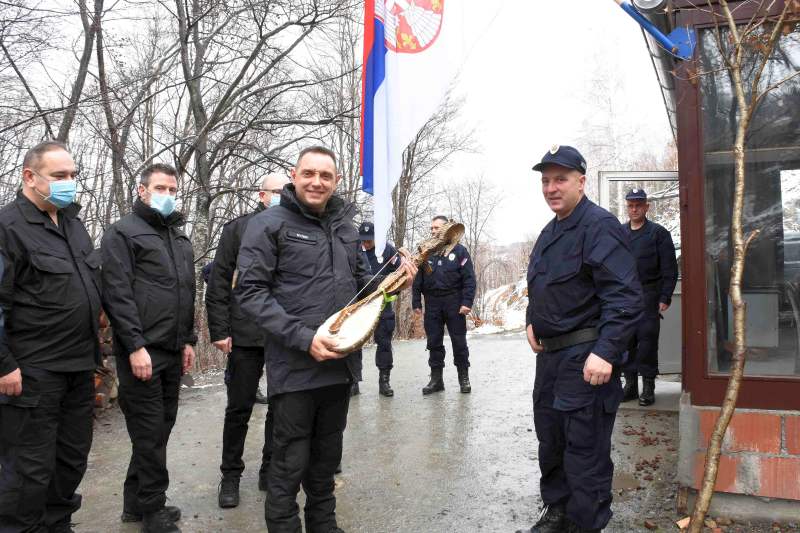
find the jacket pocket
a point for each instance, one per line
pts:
(299, 252)
(52, 277)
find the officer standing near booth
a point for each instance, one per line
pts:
(654, 251)
(243, 341)
(448, 283)
(389, 261)
(584, 303)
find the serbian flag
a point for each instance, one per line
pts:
(412, 50)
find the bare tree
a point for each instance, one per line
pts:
(747, 53)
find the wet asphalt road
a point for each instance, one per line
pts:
(441, 463)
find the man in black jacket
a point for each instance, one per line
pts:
(149, 287)
(449, 288)
(243, 342)
(50, 297)
(299, 263)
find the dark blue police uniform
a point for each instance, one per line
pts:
(582, 285)
(658, 273)
(390, 262)
(449, 285)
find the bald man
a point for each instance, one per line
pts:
(243, 343)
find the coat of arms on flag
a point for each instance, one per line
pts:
(411, 26)
(408, 44)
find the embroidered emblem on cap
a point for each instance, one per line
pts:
(635, 191)
(555, 148)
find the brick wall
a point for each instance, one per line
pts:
(760, 453)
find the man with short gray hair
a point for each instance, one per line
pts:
(50, 298)
(242, 341)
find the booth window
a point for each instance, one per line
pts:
(771, 284)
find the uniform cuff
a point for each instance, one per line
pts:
(132, 344)
(665, 300)
(606, 350)
(7, 365)
(306, 336)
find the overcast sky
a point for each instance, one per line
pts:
(527, 83)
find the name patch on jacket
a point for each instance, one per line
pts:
(301, 237)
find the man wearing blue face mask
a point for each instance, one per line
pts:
(149, 284)
(243, 342)
(50, 298)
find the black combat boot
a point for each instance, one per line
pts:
(159, 522)
(463, 379)
(436, 383)
(134, 516)
(575, 528)
(383, 383)
(228, 495)
(631, 391)
(648, 396)
(552, 519)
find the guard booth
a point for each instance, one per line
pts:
(759, 475)
(662, 193)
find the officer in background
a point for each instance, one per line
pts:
(243, 341)
(584, 303)
(299, 263)
(389, 262)
(50, 298)
(652, 247)
(148, 292)
(448, 283)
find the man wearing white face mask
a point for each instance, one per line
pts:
(50, 298)
(149, 285)
(243, 342)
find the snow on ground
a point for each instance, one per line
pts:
(504, 309)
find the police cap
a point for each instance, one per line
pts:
(565, 156)
(366, 231)
(636, 194)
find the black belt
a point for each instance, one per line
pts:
(579, 336)
(440, 293)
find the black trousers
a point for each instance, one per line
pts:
(643, 350)
(307, 449)
(441, 311)
(242, 374)
(150, 409)
(383, 339)
(45, 437)
(575, 460)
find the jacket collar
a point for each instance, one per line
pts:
(34, 215)
(154, 218)
(566, 224)
(336, 209)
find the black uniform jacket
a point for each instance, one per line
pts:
(50, 291)
(655, 259)
(582, 274)
(225, 317)
(295, 270)
(450, 274)
(389, 263)
(149, 281)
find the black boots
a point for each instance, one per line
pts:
(383, 383)
(436, 383)
(173, 512)
(553, 519)
(648, 396)
(159, 522)
(463, 379)
(228, 495)
(631, 391)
